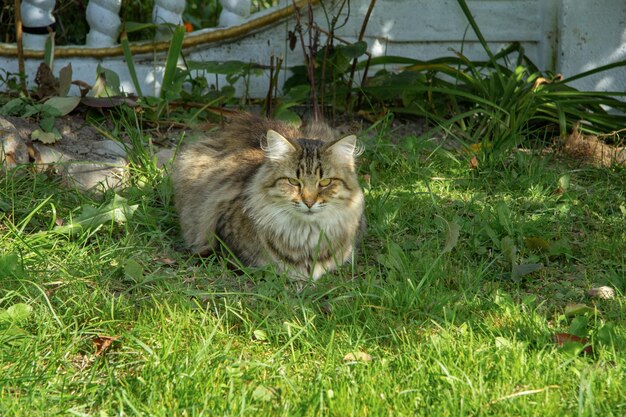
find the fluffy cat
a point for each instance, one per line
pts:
(272, 193)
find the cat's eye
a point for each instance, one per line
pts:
(324, 182)
(294, 181)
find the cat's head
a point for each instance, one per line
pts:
(311, 176)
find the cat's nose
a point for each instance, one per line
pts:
(308, 202)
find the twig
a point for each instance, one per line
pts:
(332, 34)
(20, 47)
(329, 44)
(361, 36)
(268, 98)
(308, 57)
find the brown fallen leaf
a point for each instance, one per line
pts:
(103, 343)
(537, 244)
(166, 261)
(563, 338)
(108, 102)
(473, 163)
(47, 83)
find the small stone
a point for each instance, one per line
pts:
(96, 176)
(47, 155)
(110, 148)
(603, 293)
(13, 150)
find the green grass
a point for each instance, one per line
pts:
(449, 333)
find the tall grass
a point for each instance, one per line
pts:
(118, 319)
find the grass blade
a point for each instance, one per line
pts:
(176, 47)
(130, 63)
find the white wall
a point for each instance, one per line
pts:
(593, 33)
(568, 36)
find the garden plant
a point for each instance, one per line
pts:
(490, 281)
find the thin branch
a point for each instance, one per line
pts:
(361, 36)
(268, 98)
(308, 57)
(20, 47)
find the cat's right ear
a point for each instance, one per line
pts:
(276, 146)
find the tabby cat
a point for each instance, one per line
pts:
(272, 194)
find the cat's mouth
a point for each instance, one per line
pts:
(308, 212)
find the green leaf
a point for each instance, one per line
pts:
(64, 105)
(133, 270)
(228, 91)
(579, 326)
(297, 94)
(606, 333)
(518, 271)
(130, 64)
(107, 83)
(47, 123)
(260, 335)
(15, 314)
(560, 247)
(509, 250)
(217, 67)
(48, 52)
(573, 310)
(537, 244)
(65, 80)
(452, 236)
(13, 107)
(117, 210)
(263, 393)
(10, 265)
(564, 182)
(171, 63)
(45, 137)
(287, 115)
(353, 50)
(136, 26)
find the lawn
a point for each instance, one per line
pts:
(469, 296)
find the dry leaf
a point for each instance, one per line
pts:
(563, 338)
(47, 83)
(103, 343)
(537, 244)
(452, 236)
(264, 393)
(107, 102)
(603, 293)
(166, 261)
(473, 163)
(357, 357)
(44, 137)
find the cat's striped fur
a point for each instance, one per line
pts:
(272, 193)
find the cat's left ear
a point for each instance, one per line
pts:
(344, 150)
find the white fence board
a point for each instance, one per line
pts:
(592, 33)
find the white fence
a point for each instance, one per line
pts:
(104, 21)
(568, 36)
